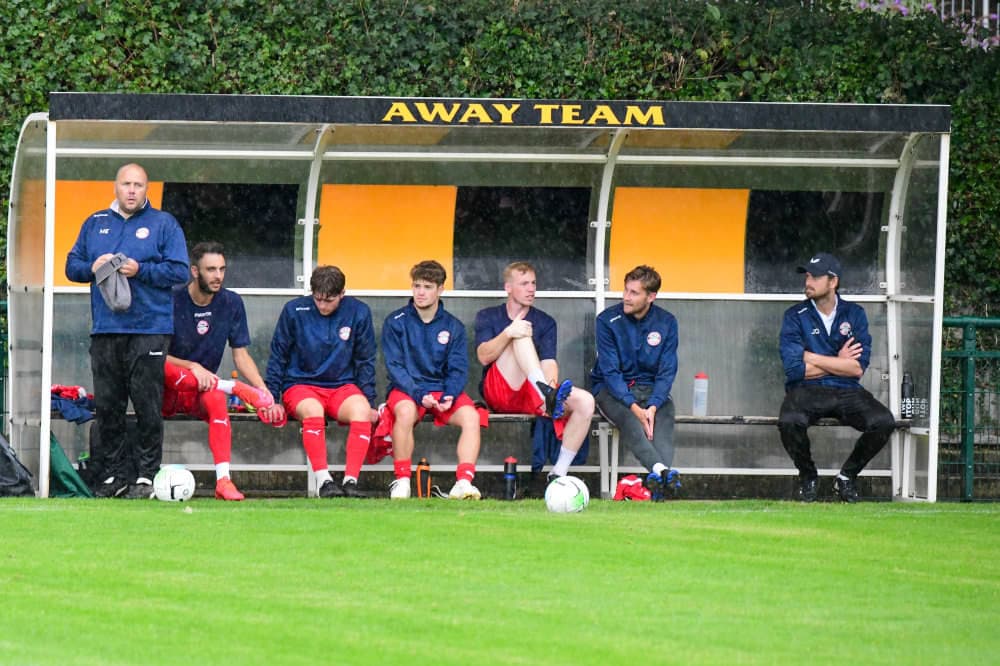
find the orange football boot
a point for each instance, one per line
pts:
(250, 395)
(225, 489)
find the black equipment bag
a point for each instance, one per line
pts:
(15, 479)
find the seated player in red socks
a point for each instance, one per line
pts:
(322, 364)
(206, 318)
(428, 365)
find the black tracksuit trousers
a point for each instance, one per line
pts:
(807, 403)
(129, 366)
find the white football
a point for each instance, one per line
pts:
(173, 483)
(567, 494)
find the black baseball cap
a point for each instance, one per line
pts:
(821, 264)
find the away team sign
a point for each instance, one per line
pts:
(465, 112)
(485, 112)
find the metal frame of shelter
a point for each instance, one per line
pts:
(610, 136)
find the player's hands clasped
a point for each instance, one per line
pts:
(519, 328)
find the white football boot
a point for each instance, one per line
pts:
(463, 489)
(400, 489)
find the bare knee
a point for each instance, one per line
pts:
(405, 413)
(466, 418)
(354, 408)
(581, 402)
(308, 409)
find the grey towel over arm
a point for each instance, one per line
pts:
(113, 285)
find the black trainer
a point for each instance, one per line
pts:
(330, 488)
(111, 487)
(141, 489)
(535, 488)
(555, 398)
(350, 489)
(807, 490)
(845, 490)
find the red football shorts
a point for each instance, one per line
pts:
(502, 399)
(330, 398)
(440, 418)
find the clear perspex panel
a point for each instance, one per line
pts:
(25, 275)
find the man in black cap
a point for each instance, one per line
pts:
(825, 349)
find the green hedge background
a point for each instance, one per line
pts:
(630, 49)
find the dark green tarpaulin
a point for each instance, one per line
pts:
(63, 479)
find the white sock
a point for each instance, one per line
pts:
(226, 386)
(221, 470)
(658, 469)
(536, 376)
(565, 460)
(322, 476)
(349, 478)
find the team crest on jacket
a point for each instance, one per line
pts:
(202, 326)
(653, 339)
(845, 328)
(142, 233)
(444, 337)
(344, 332)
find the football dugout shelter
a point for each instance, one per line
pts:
(723, 199)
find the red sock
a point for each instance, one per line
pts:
(358, 438)
(466, 471)
(220, 436)
(178, 379)
(402, 468)
(314, 442)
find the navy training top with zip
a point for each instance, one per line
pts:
(490, 322)
(325, 351)
(201, 332)
(802, 330)
(635, 351)
(155, 240)
(421, 358)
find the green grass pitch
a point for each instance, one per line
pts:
(437, 582)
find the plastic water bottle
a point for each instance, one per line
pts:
(906, 408)
(423, 478)
(699, 405)
(510, 478)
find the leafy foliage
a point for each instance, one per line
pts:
(602, 49)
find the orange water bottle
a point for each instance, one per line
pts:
(423, 478)
(234, 403)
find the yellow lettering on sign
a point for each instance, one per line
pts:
(603, 114)
(437, 110)
(506, 112)
(571, 114)
(478, 112)
(634, 115)
(399, 111)
(545, 113)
